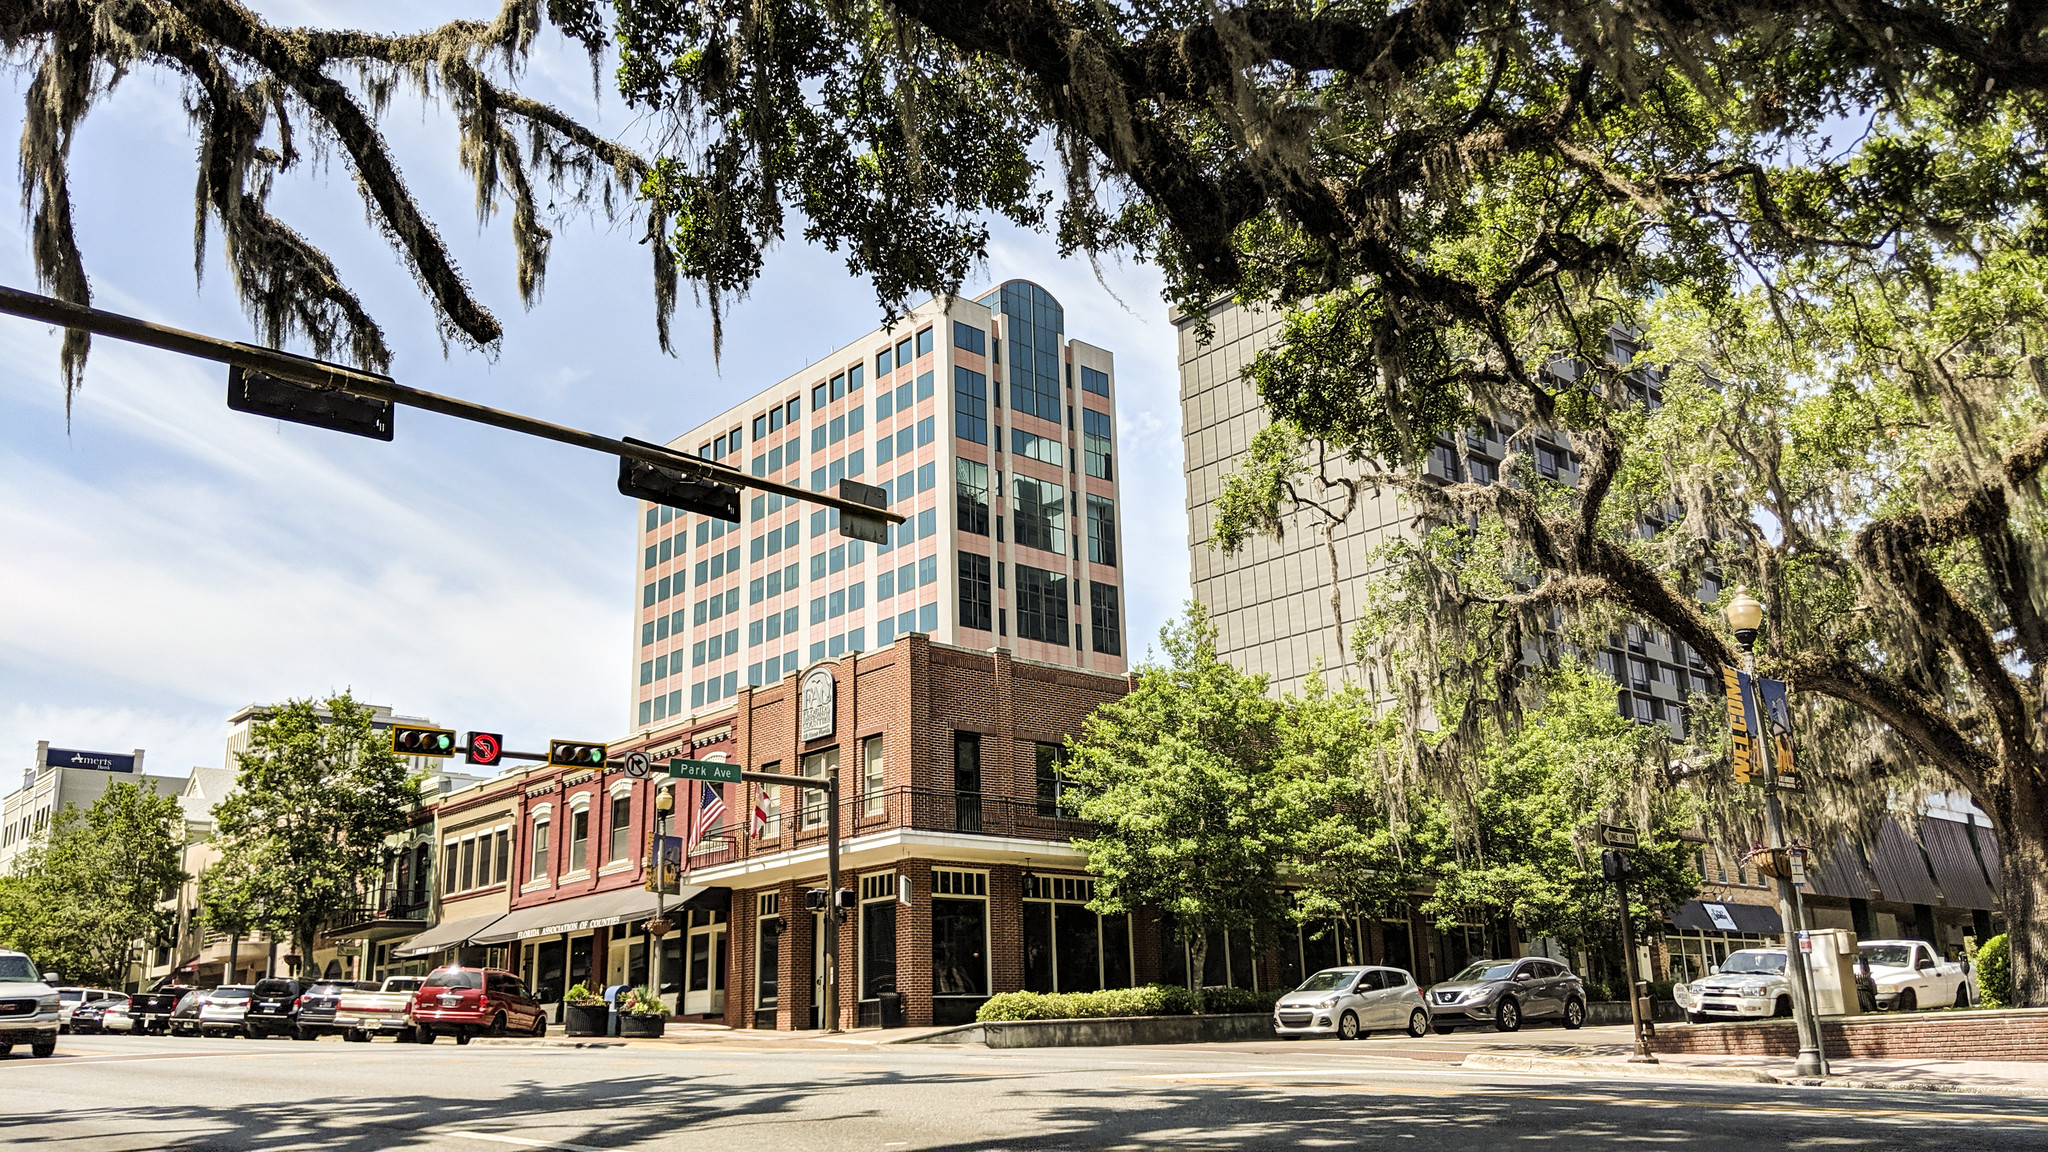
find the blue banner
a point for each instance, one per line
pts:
(99, 761)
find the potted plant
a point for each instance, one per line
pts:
(584, 1012)
(642, 1014)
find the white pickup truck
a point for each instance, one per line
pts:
(362, 1015)
(1909, 975)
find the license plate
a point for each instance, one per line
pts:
(450, 1001)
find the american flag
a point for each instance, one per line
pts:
(710, 806)
(759, 827)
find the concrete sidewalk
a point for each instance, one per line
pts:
(682, 1034)
(2003, 1078)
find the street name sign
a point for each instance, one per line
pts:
(704, 770)
(1615, 837)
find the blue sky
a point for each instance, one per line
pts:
(164, 561)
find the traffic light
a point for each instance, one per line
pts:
(413, 740)
(814, 899)
(846, 899)
(262, 394)
(576, 754)
(645, 481)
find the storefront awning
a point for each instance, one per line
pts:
(1955, 865)
(601, 910)
(1901, 869)
(1841, 874)
(1716, 916)
(441, 937)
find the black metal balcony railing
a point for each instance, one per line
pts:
(383, 904)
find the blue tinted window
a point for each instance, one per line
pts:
(970, 404)
(924, 342)
(971, 338)
(1093, 381)
(884, 364)
(853, 377)
(924, 386)
(903, 352)
(817, 397)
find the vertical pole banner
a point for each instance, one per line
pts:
(1777, 718)
(1742, 726)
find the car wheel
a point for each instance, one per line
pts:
(1507, 1017)
(1418, 1023)
(355, 1036)
(1574, 1013)
(498, 1025)
(1696, 1017)
(540, 1027)
(1962, 995)
(1783, 1007)
(44, 1049)
(461, 1038)
(1347, 1026)
(6, 1049)
(1444, 1029)
(423, 1035)
(302, 1034)
(1907, 1001)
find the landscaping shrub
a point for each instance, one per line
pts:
(1149, 1000)
(1994, 972)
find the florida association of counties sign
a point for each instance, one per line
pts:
(817, 716)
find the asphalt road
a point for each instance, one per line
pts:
(782, 1096)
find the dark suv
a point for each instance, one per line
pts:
(274, 1008)
(318, 1002)
(1506, 992)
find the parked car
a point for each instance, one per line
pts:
(274, 1007)
(1351, 1003)
(213, 1012)
(1750, 983)
(466, 1002)
(1507, 992)
(317, 1008)
(91, 1017)
(1909, 975)
(28, 1006)
(152, 1010)
(70, 998)
(382, 1011)
(118, 1015)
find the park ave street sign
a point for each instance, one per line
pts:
(704, 770)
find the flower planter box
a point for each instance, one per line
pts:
(578, 1020)
(642, 1027)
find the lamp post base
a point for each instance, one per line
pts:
(1808, 1064)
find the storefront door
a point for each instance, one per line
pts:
(704, 989)
(817, 968)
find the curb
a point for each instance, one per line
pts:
(505, 1042)
(1491, 1062)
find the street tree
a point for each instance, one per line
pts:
(267, 103)
(97, 886)
(304, 832)
(1521, 843)
(1179, 779)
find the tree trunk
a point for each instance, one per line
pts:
(2022, 828)
(234, 956)
(1198, 962)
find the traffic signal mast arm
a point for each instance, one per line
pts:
(340, 377)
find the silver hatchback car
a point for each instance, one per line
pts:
(1350, 1003)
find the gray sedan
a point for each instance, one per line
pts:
(1349, 1003)
(1506, 992)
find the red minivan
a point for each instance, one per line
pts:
(465, 1002)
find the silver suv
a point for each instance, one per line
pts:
(1506, 992)
(28, 1006)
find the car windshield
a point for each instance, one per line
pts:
(234, 993)
(1329, 979)
(1758, 961)
(17, 970)
(1890, 955)
(1484, 970)
(459, 978)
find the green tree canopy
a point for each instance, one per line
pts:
(97, 886)
(1180, 779)
(303, 833)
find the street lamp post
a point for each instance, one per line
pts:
(1745, 616)
(664, 806)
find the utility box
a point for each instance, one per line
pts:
(1831, 957)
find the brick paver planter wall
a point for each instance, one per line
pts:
(2020, 1034)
